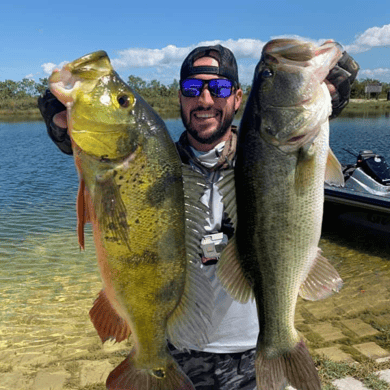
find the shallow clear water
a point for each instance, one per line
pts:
(48, 285)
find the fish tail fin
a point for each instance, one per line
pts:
(295, 367)
(127, 377)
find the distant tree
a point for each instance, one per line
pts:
(27, 87)
(357, 90)
(8, 89)
(42, 85)
(137, 83)
(174, 87)
(246, 89)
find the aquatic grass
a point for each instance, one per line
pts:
(364, 372)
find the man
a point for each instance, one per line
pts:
(210, 95)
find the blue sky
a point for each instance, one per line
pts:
(151, 38)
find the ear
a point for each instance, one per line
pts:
(237, 99)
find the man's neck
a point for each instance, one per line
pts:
(202, 147)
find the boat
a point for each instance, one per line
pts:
(364, 201)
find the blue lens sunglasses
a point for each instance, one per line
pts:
(221, 88)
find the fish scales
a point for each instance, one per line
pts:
(283, 158)
(131, 189)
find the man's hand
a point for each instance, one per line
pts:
(339, 81)
(54, 114)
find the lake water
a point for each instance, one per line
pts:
(47, 285)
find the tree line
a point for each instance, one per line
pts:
(22, 95)
(358, 88)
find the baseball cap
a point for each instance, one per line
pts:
(226, 60)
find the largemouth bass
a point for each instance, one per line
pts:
(283, 159)
(131, 189)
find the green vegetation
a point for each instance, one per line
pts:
(365, 372)
(358, 89)
(18, 100)
(366, 108)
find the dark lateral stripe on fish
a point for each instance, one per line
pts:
(158, 192)
(112, 210)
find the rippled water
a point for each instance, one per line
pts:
(48, 285)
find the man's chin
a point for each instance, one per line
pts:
(209, 137)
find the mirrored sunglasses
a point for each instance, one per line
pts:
(221, 88)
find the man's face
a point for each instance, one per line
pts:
(208, 118)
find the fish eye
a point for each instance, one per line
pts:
(267, 73)
(123, 101)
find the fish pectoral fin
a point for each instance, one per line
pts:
(295, 367)
(127, 376)
(83, 207)
(322, 281)
(107, 322)
(81, 213)
(334, 174)
(231, 275)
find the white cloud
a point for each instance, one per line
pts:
(382, 74)
(372, 37)
(142, 58)
(173, 55)
(165, 62)
(242, 48)
(49, 67)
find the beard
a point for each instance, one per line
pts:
(219, 132)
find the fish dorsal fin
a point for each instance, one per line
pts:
(333, 174)
(107, 322)
(190, 321)
(229, 272)
(322, 281)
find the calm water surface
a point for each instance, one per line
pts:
(47, 285)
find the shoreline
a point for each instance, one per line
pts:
(355, 107)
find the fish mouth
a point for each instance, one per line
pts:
(296, 139)
(62, 83)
